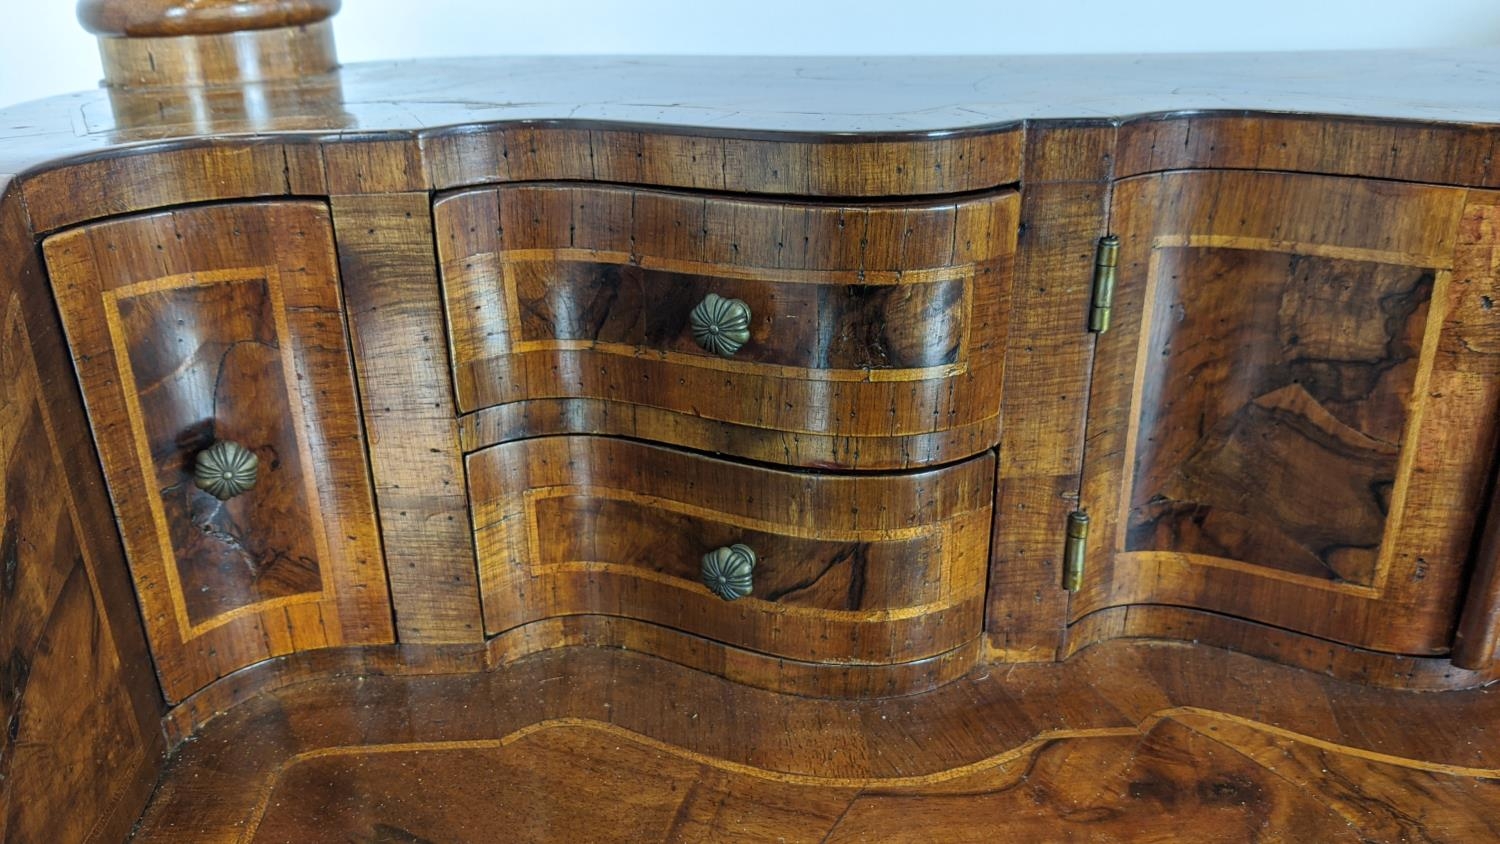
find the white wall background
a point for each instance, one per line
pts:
(43, 51)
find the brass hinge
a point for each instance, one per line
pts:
(1106, 261)
(1076, 550)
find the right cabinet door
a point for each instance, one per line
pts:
(1292, 415)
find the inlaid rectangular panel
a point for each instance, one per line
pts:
(872, 569)
(224, 324)
(1274, 397)
(1280, 430)
(621, 308)
(206, 362)
(880, 325)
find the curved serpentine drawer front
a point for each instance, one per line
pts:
(863, 336)
(874, 569)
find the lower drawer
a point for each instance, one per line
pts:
(873, 569)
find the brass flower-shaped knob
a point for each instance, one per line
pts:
(726, 571)
(721, 325)
(225, 469)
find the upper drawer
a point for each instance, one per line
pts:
(211, 341)
(875, 332)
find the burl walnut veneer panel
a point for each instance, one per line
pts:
(1222, 778)
(1127, 742)
(80, 742)
(72, 743)
(1287, 414)
(877, 332)
(224, 323)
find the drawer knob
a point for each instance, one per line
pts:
(726, 571)
(225, 469)
(721, 325)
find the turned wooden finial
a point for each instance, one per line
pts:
(150, 43)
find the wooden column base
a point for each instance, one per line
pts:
(260, 55)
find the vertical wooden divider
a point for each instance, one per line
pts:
(1048, 363)
(394, 306)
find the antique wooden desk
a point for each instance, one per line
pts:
(746, 449)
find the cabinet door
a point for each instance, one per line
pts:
(1291, 415)
(224, 324)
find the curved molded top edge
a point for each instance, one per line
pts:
(753, 97)
(316, 162)
(881, 127)
(168, 18)
(147, 143)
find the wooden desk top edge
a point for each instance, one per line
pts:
(817, 98)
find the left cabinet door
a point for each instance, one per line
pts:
(223, 324)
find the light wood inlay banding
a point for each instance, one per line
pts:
(176, 344)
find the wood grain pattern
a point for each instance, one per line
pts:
(873, 569)
(1285, 443)
(79, 748)
(1331, 659)
(602, 632)
(796, 127)
(1048, 365)
(1270, 451)
(203, 357)
(1188, 770)
(546, 417)
(618, 307)
(155, 18)
(1474, 361)
(1478, 634)
(1302, 362)
(72, 744)
(1307, 143)
(254, 57)
(739, 665)
(122, 184)
(734, 162)
(1123, 743)
(171, 359)
(396, 326)
(868, 322)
